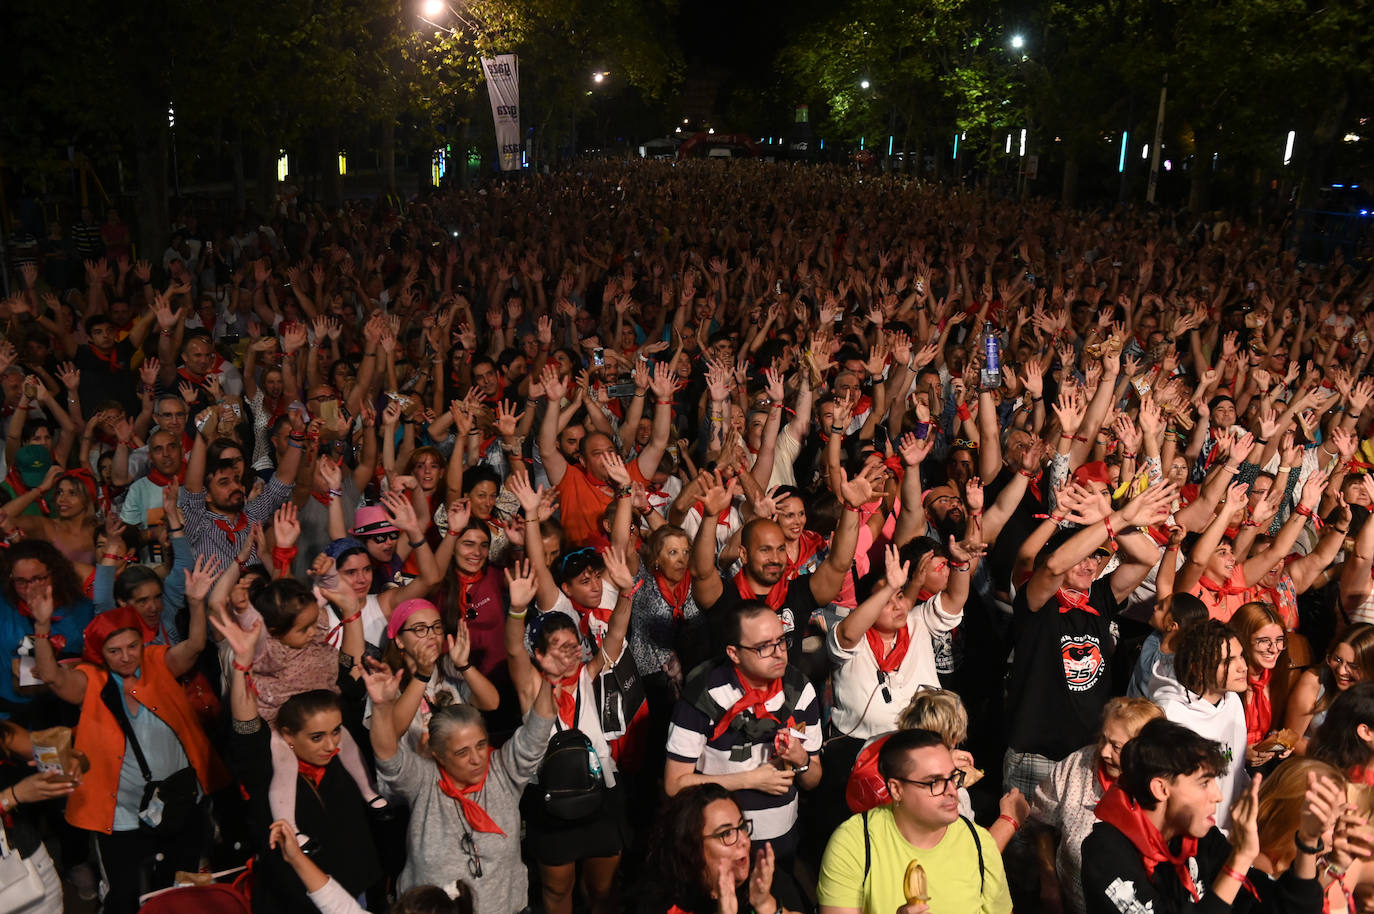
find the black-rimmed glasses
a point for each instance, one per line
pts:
(419, 631)
(937, 786)
(469, 847)
(767, 649)
(729, 835)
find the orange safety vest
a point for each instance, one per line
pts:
(92, 805)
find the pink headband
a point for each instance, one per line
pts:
(403, 612)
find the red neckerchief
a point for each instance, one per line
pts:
(585, 614)
(923, 595)
(111, 359)
(199, 380)
(465, 581)
(1074, 599)
(187, 443)
(893, 660)
(1221, 590)
(500, 393)
(775, 598)
(312, 773)
(808, 544)
(477, 817)
(162, 480)
(1259, 714)
(723, 518)
(565, 694)
(863, 405)
(1362, 775)
(1102, 779)
(240, 522)
(1115, 808)
(754, 700)
(324, 499)
(675, 595)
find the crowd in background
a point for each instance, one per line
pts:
(698, 538)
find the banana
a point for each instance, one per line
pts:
(914, 884)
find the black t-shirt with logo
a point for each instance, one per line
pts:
(795, 614)
(1060, 675)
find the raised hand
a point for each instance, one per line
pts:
(521, 584)
(896, 572)
(201, 578)
(403, 514)
(286, 525)
(242, 641)
(618, 569)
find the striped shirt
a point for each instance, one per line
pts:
(209, 538)
(689, 740)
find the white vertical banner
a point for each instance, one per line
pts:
(503, 87)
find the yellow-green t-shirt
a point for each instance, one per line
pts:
(951, 869)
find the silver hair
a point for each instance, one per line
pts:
(450, 718)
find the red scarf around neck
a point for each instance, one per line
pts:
(111, 359)
(231, 530)
(565, 695)
(775, 598)
(1225, 589)
(477, 817)
(754, 700)
(1115, 808)
(1070, 600)
(312, 773)
(465, 582)
(894, 657)
(675, 595)
(1259, 714)
(162, 480)
(585, 615)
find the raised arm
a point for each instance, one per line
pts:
(67, 682)
(706, 583)
(854, 627)
(663, 385)
(554, 464)
(182, 657)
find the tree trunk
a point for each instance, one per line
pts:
(1068, 191)
(389, 154)
(331, 182)
(240, 181)
(152, 209)
(266, 197)
(1200, 180)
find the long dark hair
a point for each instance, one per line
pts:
(445, 596)
(1336, 741)
(66, 586)
(676, 859)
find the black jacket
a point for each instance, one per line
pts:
(1114, 874)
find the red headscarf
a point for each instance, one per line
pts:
(1096, 471)
(103, 626)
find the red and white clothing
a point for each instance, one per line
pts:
(862, 710)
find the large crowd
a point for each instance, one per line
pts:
(686, 539)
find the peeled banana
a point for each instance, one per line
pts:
(917, 892)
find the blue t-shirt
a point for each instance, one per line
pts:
(1140, 677)
(69, 622)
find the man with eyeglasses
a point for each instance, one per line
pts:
(865, 863)
(751, 725)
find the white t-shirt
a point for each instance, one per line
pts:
(861, 710)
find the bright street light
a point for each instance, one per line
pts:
(598, 76)
(433, 8)
(863, 84)
(1018, 42)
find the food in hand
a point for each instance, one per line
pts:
(1281, 741)
(914, 885)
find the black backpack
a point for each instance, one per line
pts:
(570, 776)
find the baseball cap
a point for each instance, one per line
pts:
(33, 462)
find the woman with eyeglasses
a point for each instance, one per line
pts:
(26, 568)
(1262, 637)
(354, 565)
(547, 651)
(702, 861)
(1350, 660)
(420, 650)
(465, 819)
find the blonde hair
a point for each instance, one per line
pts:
(1133, 713)
(1280, 806)
(938, 710)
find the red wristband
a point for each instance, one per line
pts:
(963, 413)
(1015, 826)
(1111, 534)
(283, 555)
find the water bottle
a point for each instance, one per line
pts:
(992, 361)
(594, 763)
